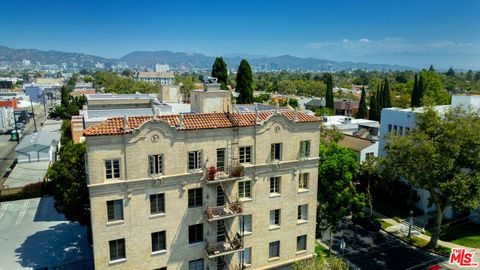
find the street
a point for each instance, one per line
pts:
(7, 147)
(369, 250)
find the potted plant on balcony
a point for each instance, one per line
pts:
(237, 171)
(211, 172)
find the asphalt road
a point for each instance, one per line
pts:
(368, 250)
(7, 151)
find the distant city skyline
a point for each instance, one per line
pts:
(411, 33)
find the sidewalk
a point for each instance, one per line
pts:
(427, 238)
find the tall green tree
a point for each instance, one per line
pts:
(421, 90)
(450, 72)
(337, 196)
(329, 103)
(219, 71)
(362, 107)
(440, 156)
(373, 113)
(244, 83)
(387, 99)
(69, 184)
(415, 100)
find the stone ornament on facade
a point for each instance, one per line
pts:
(155, 138)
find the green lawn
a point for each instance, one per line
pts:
(321, 251)
(463, 233)
(384, 223)
(419, 242)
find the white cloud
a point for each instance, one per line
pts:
(366, 46)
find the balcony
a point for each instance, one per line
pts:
(223, 212)
(213, 176)
(214, 250)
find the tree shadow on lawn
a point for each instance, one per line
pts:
(64, 245)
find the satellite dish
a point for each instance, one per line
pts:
(235, 94)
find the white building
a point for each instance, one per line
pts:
(38, 147)
(400, 121)
(7, 121)
(164, 78)
(162, 68)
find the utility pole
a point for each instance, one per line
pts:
(410, 223)
(33, 115)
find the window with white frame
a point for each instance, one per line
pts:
(194, 160)
(247, 256)
(117, 249)
(276, 152)
(155, 164)
(274, 249)
(195, 265)
(301, 242)
(275, 185)
(157, 203)
(304, 149)
(303, 181)
(246, 222)
(115, 210)
(112, 169)
(159, 241)
(245, 154)
(302, 213)
(220, 159)
(274, 218)
(244, 189)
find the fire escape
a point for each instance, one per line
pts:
(221, 218)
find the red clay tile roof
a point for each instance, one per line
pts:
(114, 126)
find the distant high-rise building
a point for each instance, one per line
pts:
(162, 67)
(26, 62)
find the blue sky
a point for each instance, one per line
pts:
(415, 33)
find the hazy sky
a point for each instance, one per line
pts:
(415, 33)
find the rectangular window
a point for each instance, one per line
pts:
(117, 249)
(195, 197)
(158, 241)
(221, 234)
(195, 265)
(400, 130)
(246, 154)
(194, 160)
(275, 218)
(274, 249)
(247, 256)
(389, 128)
(276, 152)
(112, 169)
(221, 159)
(369, 155)
(395, 129)
(155, 164)
(244, 189)
(275, 185)
(115, 210)
(301, 242)
(195, 233)
(247, 224)
(302, 213)
(157, 203)
(304, 149)
(303, 181)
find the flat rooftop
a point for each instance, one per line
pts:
(118, 96)
(33, 235)
(27, 173)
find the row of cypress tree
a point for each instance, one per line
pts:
(244, 79)
(380, 99)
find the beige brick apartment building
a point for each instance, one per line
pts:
(203, 191)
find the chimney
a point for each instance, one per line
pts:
(210, 84)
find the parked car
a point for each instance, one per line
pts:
(368, 223)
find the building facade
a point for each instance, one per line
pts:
(164, 78)
(203, 191)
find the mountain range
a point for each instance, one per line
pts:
(187, 60)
